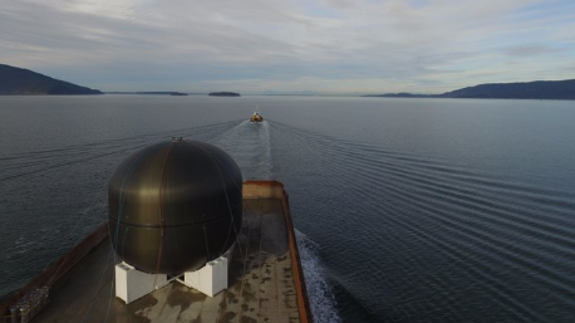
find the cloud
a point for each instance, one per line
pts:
(529, 50)
(395, 45)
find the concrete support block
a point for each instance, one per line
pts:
(210, 279)
(132, 284)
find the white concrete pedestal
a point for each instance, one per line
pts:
(132, 284)
(210, 279)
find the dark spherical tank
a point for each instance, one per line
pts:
(174, 206)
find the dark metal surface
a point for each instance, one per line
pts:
(173, 206)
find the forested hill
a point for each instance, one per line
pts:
(551, 90)
(14, 80)
(532, 90)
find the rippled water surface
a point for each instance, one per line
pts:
(407, 210)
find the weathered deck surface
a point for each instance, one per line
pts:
(262, 285)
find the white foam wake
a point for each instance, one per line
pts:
(249, 145)
(322, 302)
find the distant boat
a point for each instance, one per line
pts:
(256, 117)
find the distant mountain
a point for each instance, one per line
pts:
(564, 90)
(549, 90)
(224, 94)
(14, 80)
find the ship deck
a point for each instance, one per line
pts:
(265, 280)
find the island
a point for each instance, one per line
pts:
(540, 90)
(151, 93)
(19, 81)
(229, 94)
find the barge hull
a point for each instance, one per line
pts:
(266, 282)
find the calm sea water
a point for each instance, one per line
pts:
(406, 210)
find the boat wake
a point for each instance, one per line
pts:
(428, 229)
(249, 145)
(322, 300)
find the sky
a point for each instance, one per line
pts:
(263, 46)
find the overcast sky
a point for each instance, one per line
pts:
(363, 46)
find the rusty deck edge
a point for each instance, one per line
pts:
(303, 297)
(276, 189)
(263, 189)
(56, 270)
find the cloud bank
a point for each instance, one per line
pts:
(339, 46)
